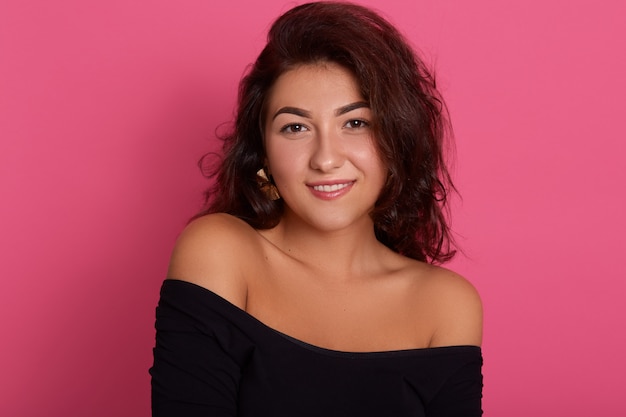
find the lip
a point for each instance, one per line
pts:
(330, 190)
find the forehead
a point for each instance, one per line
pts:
(324, 82)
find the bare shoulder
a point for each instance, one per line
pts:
(456, 307)
(209, 253)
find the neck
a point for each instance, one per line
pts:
(345, 254)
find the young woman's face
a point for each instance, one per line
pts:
(320, 148)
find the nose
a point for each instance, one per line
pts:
(327, 153)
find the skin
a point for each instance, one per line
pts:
(320, 275)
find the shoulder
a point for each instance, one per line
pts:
(212, 252)
(456, 308)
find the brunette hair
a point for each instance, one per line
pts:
(410, 125)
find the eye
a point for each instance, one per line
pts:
(356, 124)
(293, 128)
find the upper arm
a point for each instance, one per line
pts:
(209, 253)
(459, 311)
(197, 369)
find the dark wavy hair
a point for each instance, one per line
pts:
(410, 125)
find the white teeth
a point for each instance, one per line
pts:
(329, 188)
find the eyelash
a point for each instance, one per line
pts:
(300, 127)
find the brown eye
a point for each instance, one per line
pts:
(293, 128)
(356, 124)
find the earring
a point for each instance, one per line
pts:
(266, 185)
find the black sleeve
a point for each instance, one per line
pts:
(195, 370)
(461, 395)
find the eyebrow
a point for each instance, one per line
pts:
(292, 110)
(305, 113)
(352, 106)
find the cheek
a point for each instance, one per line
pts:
(273, 155)
(381, 175)
(370, 160)
(282, 163)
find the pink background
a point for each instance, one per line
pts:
(105, 107)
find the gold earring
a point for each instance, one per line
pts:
(266, 185)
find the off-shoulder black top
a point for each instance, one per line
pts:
(213, 359)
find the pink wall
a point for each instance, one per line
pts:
(105, 108)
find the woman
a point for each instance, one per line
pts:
(307, 286)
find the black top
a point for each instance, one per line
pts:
(214, 359)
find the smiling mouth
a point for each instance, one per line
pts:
(331, 188)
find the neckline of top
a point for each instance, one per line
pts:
(327, 351)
